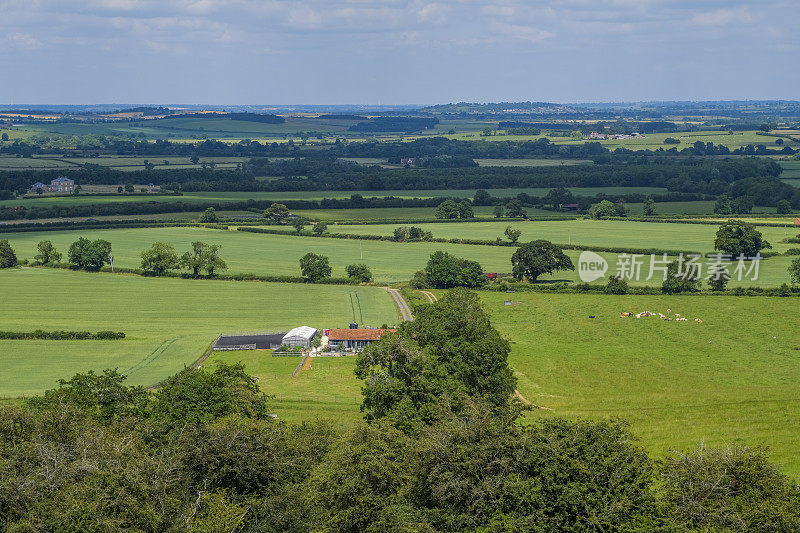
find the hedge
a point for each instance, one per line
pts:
(479, 242)
(61, 335)
(577, 288)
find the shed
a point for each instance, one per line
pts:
(300, 336)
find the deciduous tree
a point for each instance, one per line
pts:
(47, 253)
(539, 257)
(160, 259)
(314, 267)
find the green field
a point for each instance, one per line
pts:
(168, 322)
(652, 141)
(214, 128)
(208, 197)
(267, 254)
(270, 254)
(612, 233)
(327, 391)
(731, 379)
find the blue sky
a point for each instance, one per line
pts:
(396, 51)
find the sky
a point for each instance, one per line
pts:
(396, 51)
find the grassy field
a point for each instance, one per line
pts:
(214, 128)
(270, 254)
(390, 213)
(731, 379)
(791, 172)
(204, 198)
(695, 237)
(652, 141)
(326, 391)
(266, 254)
(167, 329)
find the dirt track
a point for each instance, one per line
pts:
(405, 310)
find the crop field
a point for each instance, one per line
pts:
(392, 213)
(652, 141)
(266, 254)
(222, 128)
(116, 162)
(208, 197)
(167, 329)
(791, 172)
(612, 233)
(730, 379)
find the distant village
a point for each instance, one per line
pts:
(609, 136)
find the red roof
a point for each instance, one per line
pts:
(358, 334)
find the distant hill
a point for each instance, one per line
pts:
(499, 107)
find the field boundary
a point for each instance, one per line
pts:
(300, 365)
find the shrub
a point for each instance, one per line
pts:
(359, 272)
(8, 258)
(616, 285)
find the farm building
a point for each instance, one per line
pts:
(255, 341)
(356, 339)
(300, 336)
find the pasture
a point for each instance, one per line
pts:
(730, 379)
(326, 391)
(168, 322)
(611, 233)
(267, 254)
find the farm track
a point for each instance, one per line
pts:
(405, 310)
(430, 296)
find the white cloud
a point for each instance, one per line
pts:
(724, 17)
(23, 41)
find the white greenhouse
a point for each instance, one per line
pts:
(300, 336)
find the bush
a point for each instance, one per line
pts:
(359, 272)
(445, 271)
(8, 258)
(314, 267)
(616, 285)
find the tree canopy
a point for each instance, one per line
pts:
(445, 271)
(535, 258)
(739, 238)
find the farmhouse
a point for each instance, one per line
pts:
(61, 184)
(356, 339)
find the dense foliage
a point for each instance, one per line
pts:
(535, 258)
(739, 238)
(445, 271)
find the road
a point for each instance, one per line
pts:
(405, 310)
